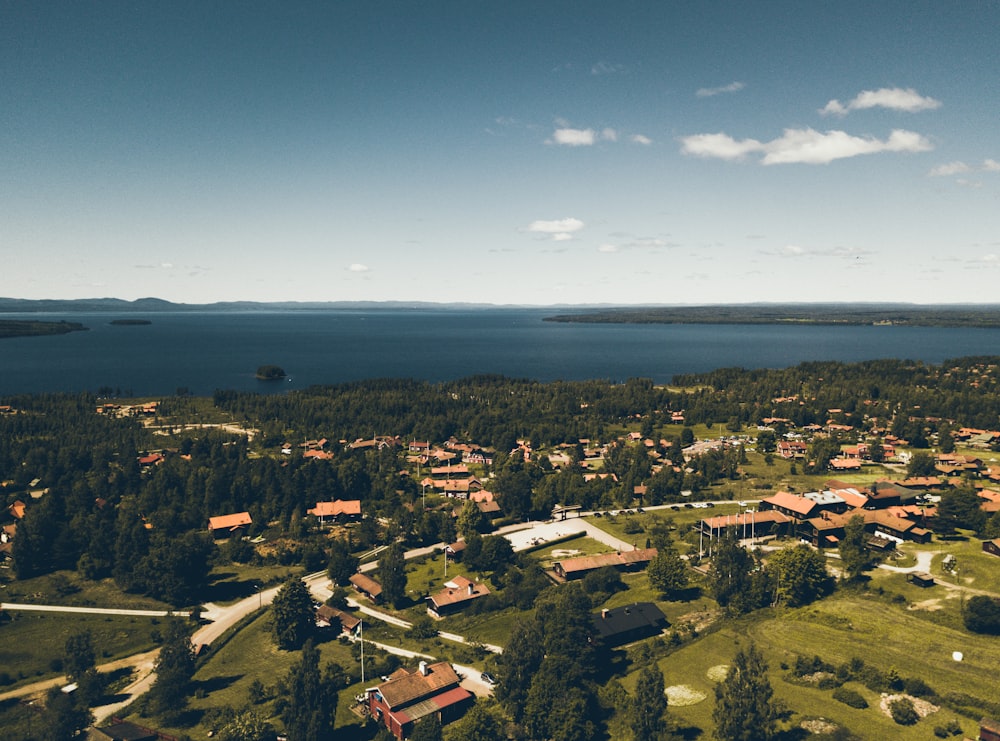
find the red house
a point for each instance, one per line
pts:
(407, 696)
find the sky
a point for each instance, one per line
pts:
(538, 153)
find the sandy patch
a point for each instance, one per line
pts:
(818, 725)
(928, 604)
(718, 673)
(680, 695)
(922, 707)
(565, 553)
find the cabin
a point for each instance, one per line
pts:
(339, 510)
(367, 586)
(621, 625)
(458, 593)
(332, 617)
(577, 568)
(920, 579)
(992, 546)
(226, 526)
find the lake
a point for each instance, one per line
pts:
(204, 351)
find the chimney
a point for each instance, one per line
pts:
(472, 588)
(423, 669)
(604, 613)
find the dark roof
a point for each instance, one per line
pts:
(125, 731)
(608, 624)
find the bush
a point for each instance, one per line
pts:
(903, 712)
(850, 697)
(917, 687)
(951, 728)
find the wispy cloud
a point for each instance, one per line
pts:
(568, 136)
(606, 68)
(802, 146)
(708, 92)
(962, 168)
(560, 230)
(357, 267)
(896, 99)
(797, 251)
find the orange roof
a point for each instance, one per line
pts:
(17, 510)
(229, 522)
(459, 589)
(792, 502)
(336, 507)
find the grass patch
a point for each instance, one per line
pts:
(32, 644)
(72, 590)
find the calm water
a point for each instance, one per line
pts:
(207, 351)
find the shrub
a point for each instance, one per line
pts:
(917, 687)
(902, 711)
(850, 697)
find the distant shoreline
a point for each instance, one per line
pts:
(986, 316)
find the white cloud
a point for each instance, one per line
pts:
(609, 135)
(815, 148)
(896, 99)
(560, 230)
(640, 139)
(802, 146)
(708, 92)
(357, 267)
(575, 137)
(961, 168)
(608, 248)
(721, 146)
(951, 168)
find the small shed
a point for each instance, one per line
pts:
(920, 579)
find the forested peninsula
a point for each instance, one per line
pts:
(804, 314)
(31, 328)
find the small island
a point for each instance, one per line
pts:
(270, 373)
(32, 328)
(129, 322)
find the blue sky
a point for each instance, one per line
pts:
(507, 152)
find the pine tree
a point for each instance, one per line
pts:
(311, 699)
(744, 709)
(392, 575)
(649, 719)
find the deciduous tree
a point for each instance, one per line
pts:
(855, 556)
(174, 669)
(800, 575)
(292, 615)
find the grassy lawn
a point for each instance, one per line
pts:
(71, 589)
(32, 643)
(838, 629)
(232, 582)
(224, 679)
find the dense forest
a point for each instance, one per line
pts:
(32, 328)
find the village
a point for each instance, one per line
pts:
(898, 493)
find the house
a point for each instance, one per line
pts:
(407, 696)
(367, 586)
(339, 510)
(989, 730)
(120, 730)
(992, 546)
(331, 617)
(458, 593)
(576, 568)
(920, 579)
(791, 449)
(628, 624)
(224, 526)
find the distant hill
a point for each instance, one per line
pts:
(151, 305)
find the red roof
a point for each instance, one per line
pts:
(336, 507)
